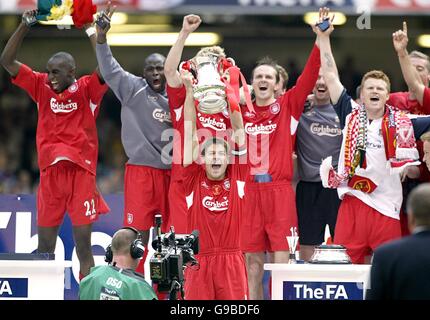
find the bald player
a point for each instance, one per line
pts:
(118, 280)
(67, 144)
(145, 116)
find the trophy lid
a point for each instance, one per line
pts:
(330, 254)
(331, 247)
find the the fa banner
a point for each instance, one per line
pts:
(18, 234)
(312, 290)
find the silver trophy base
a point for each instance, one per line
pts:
(212, 107)
(211, 99)
(292, 258)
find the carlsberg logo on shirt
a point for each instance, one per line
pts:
(215, 205)
(255, 129)
(325, 130)
(161, 115)
(212, 123)
(57, 107)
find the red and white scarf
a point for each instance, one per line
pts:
(399, 141)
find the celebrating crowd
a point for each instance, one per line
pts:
(212, 153)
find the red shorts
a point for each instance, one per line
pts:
(145, 194)
(221, 276)
(178, 207)
(269, 213)
(65, 186)
(361, 229)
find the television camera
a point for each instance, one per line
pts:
(173, 253)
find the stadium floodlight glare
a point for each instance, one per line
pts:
(424, 40)
(312, 17)
(162, 39)
(132, 28)
(118, 18)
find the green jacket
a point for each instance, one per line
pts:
(113, 283)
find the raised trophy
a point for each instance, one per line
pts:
(292, 244)
(209, 89)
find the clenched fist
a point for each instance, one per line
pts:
(191, 23)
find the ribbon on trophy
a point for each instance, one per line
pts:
(216, 82)
(232, 88)
(81, 11)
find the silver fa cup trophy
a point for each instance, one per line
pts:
(209, 90)
(292, 244)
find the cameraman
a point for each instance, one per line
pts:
(118, 281)
(217, 187)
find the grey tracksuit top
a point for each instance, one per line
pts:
(145, 114)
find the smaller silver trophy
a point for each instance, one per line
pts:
(292, 244)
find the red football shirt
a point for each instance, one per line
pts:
(401, 101)
(207, 124)
(66, 124)
(212, 122)
(271, 129)
(216, 207)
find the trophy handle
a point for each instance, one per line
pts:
(189, 66)
(231, 60)
(185, 65)
(224, 64)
